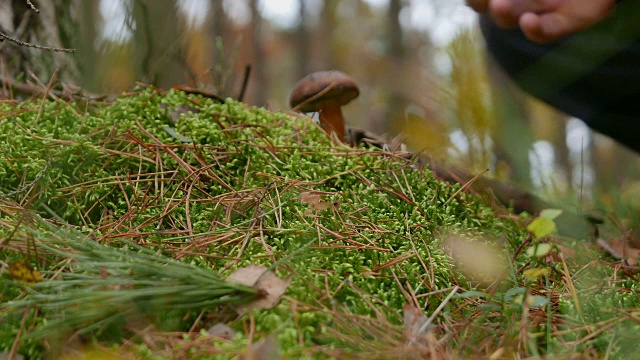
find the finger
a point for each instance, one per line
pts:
(521, 7)
(479, 5)
(503, 13)
(545, 28)
(507, 13)
(548, 27)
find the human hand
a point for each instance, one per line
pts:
(569, 17)
(544, 21)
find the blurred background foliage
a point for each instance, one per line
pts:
(420, 64)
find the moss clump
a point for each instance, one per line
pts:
(223, 185)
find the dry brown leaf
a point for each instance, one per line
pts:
(221, 330)
(314, 200)
(263, 279)
(414, 319)
(622, 249)
(266, 349)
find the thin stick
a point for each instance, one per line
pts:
(41, 47)
(30, 185)
(435, 313)
(33, 7)
(16, 341)
(44, 98)
(245, 81)
(465, 186)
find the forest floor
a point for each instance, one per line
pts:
(166, 225)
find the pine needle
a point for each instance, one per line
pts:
(102, 284)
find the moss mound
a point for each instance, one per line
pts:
(221, 186)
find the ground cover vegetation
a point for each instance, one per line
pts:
(121, 225)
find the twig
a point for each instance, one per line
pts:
(31, 90)
(245, 81)
(33, 7)
(191, 90)
(41, 47)
(31, 184)
(465, 186)
(44, 98)
(435, 313)
(16, 341)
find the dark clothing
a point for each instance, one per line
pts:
(593, 75)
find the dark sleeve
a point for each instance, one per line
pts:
(592, 75)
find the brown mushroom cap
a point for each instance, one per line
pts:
(343, 89)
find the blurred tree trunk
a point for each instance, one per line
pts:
(8, 51)
(222, 32)
(219, 19)
(157, 42)
(302, 43)
(52, 27)
(395, 40)
(58, 19)
(395, 74)
(86, 41)
(219, 33)
(328, 23)
(260, 85)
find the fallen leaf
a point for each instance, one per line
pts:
(414, 319)
(221, 330)
(266, 349)
(533, 274)
(176, 135)
(541, 227)
(23, 272)
(263, 279)
(537, 301)
(550, 214)
(569, 253)
(622, 249)
(539, 250)
(497, 354)
(314, 200)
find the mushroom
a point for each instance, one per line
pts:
(325, 92)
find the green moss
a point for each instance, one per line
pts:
(115, 170)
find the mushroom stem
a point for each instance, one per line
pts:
(331, 120)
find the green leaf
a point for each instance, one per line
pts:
(532, 274)
(512, 293)
(550, 214)
(537, 301)
(171, 131)
(541, 227)
(539, 250)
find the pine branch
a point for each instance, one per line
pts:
(103, 284)
(33, 7)
(4, 36)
